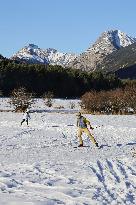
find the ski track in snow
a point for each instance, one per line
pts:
(39, 164)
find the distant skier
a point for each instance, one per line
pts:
(26, 116)
(82, 123)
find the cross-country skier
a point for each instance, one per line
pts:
(82, 123)
(26, 116)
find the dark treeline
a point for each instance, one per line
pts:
(63, 82)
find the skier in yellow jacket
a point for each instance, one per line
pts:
(82, 123)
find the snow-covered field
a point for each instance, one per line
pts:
(40, 166)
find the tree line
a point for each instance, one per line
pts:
(62, 82)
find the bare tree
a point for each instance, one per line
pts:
(48, 98)
(21, 99)
(72, 105)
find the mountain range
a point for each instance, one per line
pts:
(33, 54)
(109, 42)
(109, 53)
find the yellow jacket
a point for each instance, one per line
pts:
(82, 122)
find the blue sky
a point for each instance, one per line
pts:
(66, 25)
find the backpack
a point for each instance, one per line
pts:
(82, 122)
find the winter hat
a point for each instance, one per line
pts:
(78, 114)
(27, 110)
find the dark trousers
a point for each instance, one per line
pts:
(24, 121)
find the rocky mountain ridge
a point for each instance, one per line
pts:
(33, 54)
(106, 44)
(90, 60)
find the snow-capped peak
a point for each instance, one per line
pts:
(33, 54)
(124, 39)
(108, 42)
(113, 39)
(32, 46)
(119, 38)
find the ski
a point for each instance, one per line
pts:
(81, 147)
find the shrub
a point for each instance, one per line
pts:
(21, 99)
(48, 99)
(119, 101)
(72, 105)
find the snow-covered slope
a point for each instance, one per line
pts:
(34, 54)
(40, 166)
(107, 43)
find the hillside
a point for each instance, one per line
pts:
(127, 72)
(107, 43)
(123, 60)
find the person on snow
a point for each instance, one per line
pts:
(26, 116)
(82, 123)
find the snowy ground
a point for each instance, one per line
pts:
(40, 166)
